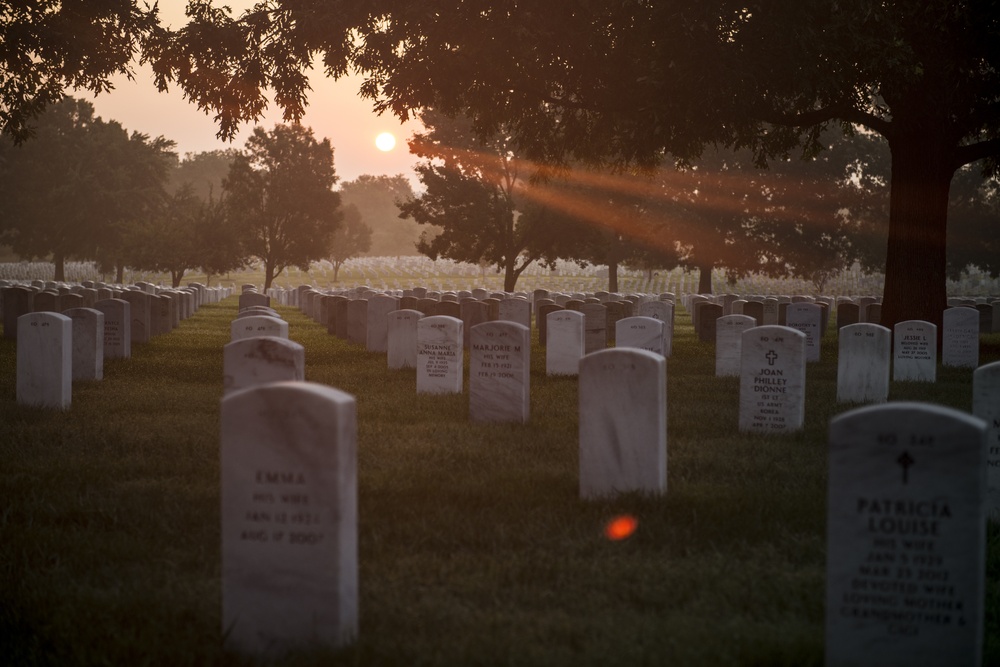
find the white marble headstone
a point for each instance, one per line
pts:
(45, 360)
(247, 362)
(906, 543)
(729, 343)
(564, 342)
(960, 337)
(595, 326)
(401, 338)
(88, 343)
(863, 363)
(623, 422)
(499, 372)
(117, 328)
(644, 333)
(914, 356)
(440, 355)
(377, 332)
(807, 318)
(289, 518)
(772, 380)
(986, 406)
(663, 311)
(252, 326)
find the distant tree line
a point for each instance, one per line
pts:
(806, 217)
(82, 188)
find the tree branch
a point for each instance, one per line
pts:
(977, 151)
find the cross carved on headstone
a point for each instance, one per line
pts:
(905, 461)
(771, 357)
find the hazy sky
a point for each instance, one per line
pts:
(335, 111)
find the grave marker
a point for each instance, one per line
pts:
(44, 360)
(401, 338)
(259, 360)
(914, 351)
(623, 422)
(772, 380)
(289, 518)
(565, 341)
(905, 537)
(729, 343)
(88, 343)
(960, 337)
(499, 372)
(440, 355)
(986, 406)
(863, 363)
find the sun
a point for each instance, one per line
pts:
(385, 142)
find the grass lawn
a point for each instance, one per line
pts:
(475, 548)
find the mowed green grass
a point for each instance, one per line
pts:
(475, 548)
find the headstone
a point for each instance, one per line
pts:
(906, 547)
(542, 321)
(623, 422)
(644, 333)
(402, 338)
(772, 380)
(248, 362)
(755, 309)
(16, 301)
(117, 328)
(289, 518)
(499, 372)
(472, 313)
(357, 321)
(663, 311)
(248, 299)
(515, 310)
(565, 344)
(729, 343)
(595, 326)
(257, 325)
(139, 309)
(46, 302)
(440, 355)
(88, 343)
(770, 312)
(914, 357)
(807, 318)
(863, 363)
(377, 333)
(44, 360)
(960, 337)
(706, 315)
(986, 406)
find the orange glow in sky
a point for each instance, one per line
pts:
(621, 527)
(335, 111)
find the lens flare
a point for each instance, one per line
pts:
(621, 527)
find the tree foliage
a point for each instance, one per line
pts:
(622, 82)
(377, 199)
(352, 239)
(279, 194)
(73, 190)
(474, 191)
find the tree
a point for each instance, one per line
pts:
(203, 173)
(280, 195)
(621, 82)
(626, 81)
(377, 199)
(352, 238)
(472, 192)
(73, 190)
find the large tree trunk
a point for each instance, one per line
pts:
(705, 277)
(509, 276)
(613, 276)
(60, 263)
(916, 256)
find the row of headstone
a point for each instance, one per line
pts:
(56, 349)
